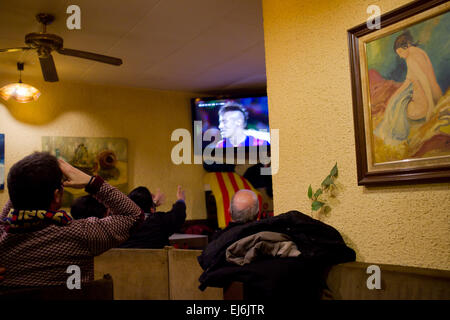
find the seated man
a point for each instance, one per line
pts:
(244, 208)
(37, 242)
(87, 206)
(155, 231)
(282, 257)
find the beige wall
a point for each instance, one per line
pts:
(146, 118)
(310, 101)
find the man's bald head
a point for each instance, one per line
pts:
(244, 206)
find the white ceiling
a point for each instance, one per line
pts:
(183, 45)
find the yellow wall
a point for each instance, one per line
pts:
(310, 101)
(146, 118)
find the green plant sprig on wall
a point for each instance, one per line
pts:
(327, 187)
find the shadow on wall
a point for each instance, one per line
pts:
(406, 188)
(352, 245)
(58, 98)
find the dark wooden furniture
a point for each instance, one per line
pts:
(348, 281)
(188, 241)
(101, 289)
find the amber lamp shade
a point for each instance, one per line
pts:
(21, 92)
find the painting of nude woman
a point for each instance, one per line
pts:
(409, 82)
(401, 95)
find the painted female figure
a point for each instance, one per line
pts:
(413, 103)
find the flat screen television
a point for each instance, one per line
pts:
(230, 125)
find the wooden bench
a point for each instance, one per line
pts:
(154, 274)
(348, 281)
(101, 289)
(172, 274)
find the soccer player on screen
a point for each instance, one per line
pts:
(232, 125)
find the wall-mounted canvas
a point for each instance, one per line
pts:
(401, 95)
(106, 157)
(2, 161)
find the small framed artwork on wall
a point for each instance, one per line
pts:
(106, 157)
(400, 77)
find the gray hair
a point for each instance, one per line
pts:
(246, 214)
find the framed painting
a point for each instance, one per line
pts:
(2, 161)
(400, 77)
(106, 157)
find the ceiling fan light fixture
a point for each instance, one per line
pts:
(45, 43)
(21, 92)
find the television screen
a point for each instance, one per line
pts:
(232, 122)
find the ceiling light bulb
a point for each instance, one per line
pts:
(20, 92)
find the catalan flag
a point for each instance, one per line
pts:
(224, 185)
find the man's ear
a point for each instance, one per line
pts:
(57, 199)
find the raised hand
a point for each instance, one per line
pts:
(74, 178)
(180, 194)
(158, 198)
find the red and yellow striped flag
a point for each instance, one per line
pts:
(224, 185)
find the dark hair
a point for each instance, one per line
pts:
(234, 107)
(143, 198)
(87, 206)
(404, 41)
(33, 180)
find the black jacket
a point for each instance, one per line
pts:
(219, 232)
(155, 231)
(320, 245)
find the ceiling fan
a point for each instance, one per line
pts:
(44, 43)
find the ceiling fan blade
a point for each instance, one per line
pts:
(48, 68)
(15, 49)
(91, 56)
